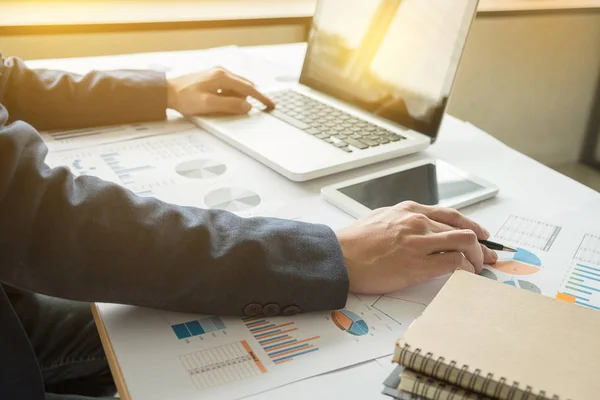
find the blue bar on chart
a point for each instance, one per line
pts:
(198, 327)
(582, 287)
(280, 340)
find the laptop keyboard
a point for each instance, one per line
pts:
(327, 123)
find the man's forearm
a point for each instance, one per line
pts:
(58, 100)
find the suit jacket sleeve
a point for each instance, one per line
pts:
(86, 239)
(57, 100)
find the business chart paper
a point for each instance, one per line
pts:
(186, 168)
(552, 259)
(183, 356)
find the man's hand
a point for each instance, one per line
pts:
(216, 91)
(407, 244)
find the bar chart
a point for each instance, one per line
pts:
(281, 341)
(198, 327)
(528, 232)
(222, 364)
(140, 165)
(582, 286)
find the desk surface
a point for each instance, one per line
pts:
(54, 14)
(525, 183)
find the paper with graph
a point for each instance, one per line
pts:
(553, 259)
(215, 357)
(187, 168)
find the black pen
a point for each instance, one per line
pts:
(497, 246)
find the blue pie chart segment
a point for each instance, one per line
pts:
(527, 257)
(359, 328)
(350, 322)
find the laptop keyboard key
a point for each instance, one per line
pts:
(370, 142)
(285, 118)
(356, 143)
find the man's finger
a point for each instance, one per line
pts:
(249, 82)
(440, 264)
(462, 241)
(453, 218)
(231, 93)
(214, 104)
(231, 82)
(438, 227)
(489, 256)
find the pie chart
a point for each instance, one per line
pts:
(524, 285)
(521, 284)
(523, 262)
(232, 199)
(349, 322)
(201, 169)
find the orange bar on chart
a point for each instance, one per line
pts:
(292, 344)
(565, 297)
(256, 360)
(270, 328)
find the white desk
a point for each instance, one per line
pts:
(522, 181)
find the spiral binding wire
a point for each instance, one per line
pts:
(425, 360)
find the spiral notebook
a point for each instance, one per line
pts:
(423, 387)
(503, 342)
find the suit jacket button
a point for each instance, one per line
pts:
(291, 310)
(253, 310)
(271, 310)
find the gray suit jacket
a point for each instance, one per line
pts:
(89, 240)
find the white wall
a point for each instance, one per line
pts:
(530, 81)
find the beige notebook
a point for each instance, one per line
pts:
(504, 342)
(422, 386)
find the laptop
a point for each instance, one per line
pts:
(374, 86)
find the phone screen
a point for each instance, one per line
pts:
(427, 184)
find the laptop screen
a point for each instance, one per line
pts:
(394, 58)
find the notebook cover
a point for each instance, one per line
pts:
(485, 327)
